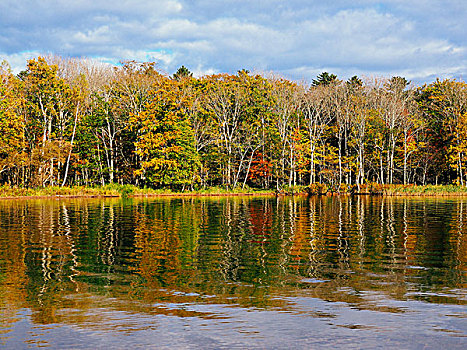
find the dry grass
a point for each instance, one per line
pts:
(114, 190)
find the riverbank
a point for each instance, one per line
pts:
(428, 190)
(115, 190)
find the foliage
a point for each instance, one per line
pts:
(71, 122)
(12, 126)
(166, 142)
(324, 78)
(182, 73)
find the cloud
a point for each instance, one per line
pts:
(367, 38)
(296, 38)
(17, 61)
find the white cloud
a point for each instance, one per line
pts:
(98, 35)
(200, 71)
(17, 61)
(163, 57)
(296, 37)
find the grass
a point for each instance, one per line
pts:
(427, 190)
(116, 190)
(7, 191)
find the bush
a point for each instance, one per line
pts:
(375, 188)
(316, 189)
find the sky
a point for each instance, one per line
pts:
(419, 39)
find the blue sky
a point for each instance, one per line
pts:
(417, 39)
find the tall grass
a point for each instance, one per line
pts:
(114, 190)
(7, 191)
(427, 190)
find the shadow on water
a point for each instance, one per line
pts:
(360, 269)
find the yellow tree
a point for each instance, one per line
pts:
(82, 78)
(12, 140)
(394, 101)
(226, 102)
(165, 140)
(457, 151)
(411, 126)
(318, 109)
(454, 101)
(361, 112)
(50, 112)
(285, 123)
(444, 104)
(194, 93)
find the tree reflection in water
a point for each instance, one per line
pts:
(64, 259)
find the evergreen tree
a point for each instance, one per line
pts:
(324, 78)
(182, 73)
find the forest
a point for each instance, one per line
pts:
(80, 122)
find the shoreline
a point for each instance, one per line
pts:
(142, 195)
(234, 194)
(131, 191)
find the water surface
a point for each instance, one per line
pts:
(234, 272)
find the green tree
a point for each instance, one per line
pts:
(324, 78)
(165, 141)
(354, 82)
(182, 73)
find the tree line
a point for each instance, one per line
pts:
(66, 121)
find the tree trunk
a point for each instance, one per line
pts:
(248, 170)
(405, 160)
(71, 147)
(312, 163)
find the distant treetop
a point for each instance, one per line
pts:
(354, 82)
(398, 83)
(182, 73)
(324, 78)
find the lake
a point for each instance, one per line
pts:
(234, 272)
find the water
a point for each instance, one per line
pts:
(234, 272)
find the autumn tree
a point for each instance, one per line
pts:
(49, 114)
(227, 99)
(285, 122)
(395, 101)
(257, 120)
(444, 107)
(165, 140)
(76, 121)
(343, 99)
(318, 111)
(12, 127)
(194, 94)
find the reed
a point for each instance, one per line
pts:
(427, 190)
(116, 190)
